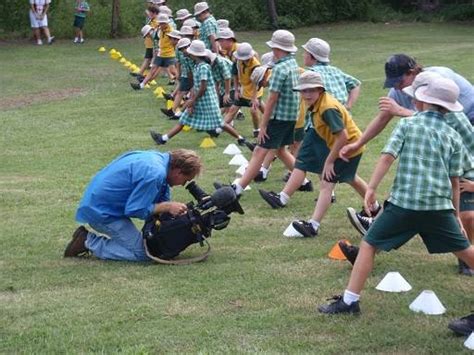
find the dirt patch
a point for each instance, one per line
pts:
(15, 102)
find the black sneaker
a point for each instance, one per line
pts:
(167, 112)
(240, 116)
(140, 78)
(349, 251)
(359, 221)
(305, 228)
(168, 96)
(259, 177)
(338, 306)
(271, 198)
(464, 269)
(286, 177)
(245, 142)
(256, 132)
(158, 138)
(135, 86)
(463, 326)
(308, 187)
(171, 82)
(174, 118)
(213, 133)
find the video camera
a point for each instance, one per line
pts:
(166, 236)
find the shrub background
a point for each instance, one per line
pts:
(242, 14)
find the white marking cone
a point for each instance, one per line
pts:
(232, 149)
(291, 232)
(238, 160)
(393, 282)
(469, 343)
(241, 170)
(428, 303)
(246, 188)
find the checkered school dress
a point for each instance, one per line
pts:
(208, 27)
(206, 115)
(221, 71)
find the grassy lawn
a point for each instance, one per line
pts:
(67, 110)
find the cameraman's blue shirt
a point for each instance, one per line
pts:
(129, 186)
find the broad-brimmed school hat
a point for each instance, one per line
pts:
(222, 23)
(422, 79)
(163, 18)
(211, 55)
(318, 48)
(183, 42)
(186, 31)
(183, 14)
(159, 2)
(165, 10)
(284, 40)
(146, 30)
(244, 51)
(190, 22)
(258, 73)
(395, 67)
(268, 59)
(225, 33)
(197, 48)
(442, 92)
(200, 7)
(174, 34)
(309, 80)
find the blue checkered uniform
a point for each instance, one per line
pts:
(221, 70)
(208, 27)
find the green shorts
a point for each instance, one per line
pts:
(299, 134)
(439, 230)
(148, 53)
(221, 99)
(313, 154)
(79, 22)
(466, 201)
(184, 84)
(164, 62)
(280, 134)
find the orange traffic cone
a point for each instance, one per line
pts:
(336, 252)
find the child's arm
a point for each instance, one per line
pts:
(455, 198)
(328, 171)
(383, 165)
(466, 185)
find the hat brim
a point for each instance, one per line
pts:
(318, 57)
(307, 86)
(184, 17)
(175, 37)
(392, 82)
(236, 55)
(201, 11)
(218, 38)
(291, 49)
(451, 106)
(197, 54)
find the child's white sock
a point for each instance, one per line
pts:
(219, 130)
(305, 181)
(238, 189)
(314, 223)
(142, 85)
(284, 198)
(165, 137)
(264, 172)
(76, 39)
(350, 297)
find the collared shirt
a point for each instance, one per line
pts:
(208, 28)
(166, 46)
(429, 152)
(153, 22)
(82, 7)
(243, 70)
(221, 71)
(284, 78)
(129, 187)
(460, 123)
(186, 64)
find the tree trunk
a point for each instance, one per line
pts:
(115, 18)
(272, 13)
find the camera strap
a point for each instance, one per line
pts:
(183, 261)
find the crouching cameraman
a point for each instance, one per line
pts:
(135, 185)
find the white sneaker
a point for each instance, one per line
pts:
(76, 40)
(51, 40)
(39, 43)
(81, 41)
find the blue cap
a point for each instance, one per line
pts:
(395, 67)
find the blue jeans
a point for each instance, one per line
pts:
(124, 242)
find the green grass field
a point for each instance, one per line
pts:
(67, 110)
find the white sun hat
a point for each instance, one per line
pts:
(146, 30)
(183, 14)
(318, 48)
(225, 33)
(174, 34)
(190, 22)
(165, 10)
(309, 80)
(284, 40)
(244, 51)
(197, 48)
(186, 31)
(211, 55)
(163, 18)
(200, 7)
(258, 73)
(183, 42)
(268, 60)
(222, 23)
(442, 92)
(422, 79)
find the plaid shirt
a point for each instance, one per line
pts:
(208, 27)
(186, 63)
(207, 114)
(284, 78)
(430, 153)
(460, 123)
(221, 70)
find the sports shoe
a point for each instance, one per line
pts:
(273, 199)
(158, 138)
(135, 86)
(168, 96)
(463, 326)
(360, 220)
(51, 40)
(240, 116)
(213, 133)
(349, 251)
(338, 306)
(81, 41)
(259, 177)
(171, 82)
(76, 40)
(308, 187)
(286, 177)
(134, 74)
(77, 246)
(245, 142)
(167, 112)
(256, 132)
(39, 42)
(140, 78)
(305, 228)
(464, 269)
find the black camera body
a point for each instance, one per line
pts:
(166, 236)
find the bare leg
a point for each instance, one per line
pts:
(231, 130)
(324, 200)
(255, 118)
(77, 32)
(177, 100)
(286, 158)
(467, 219)
(175, 130)
(296, 179)
(359, 185)
(231, 113)
(466, 255)
(151, 75)
(46, 32)
(363, 267)
(172, 73)
(145, 65)
(267, 162)
(254, 166)
(36, 34)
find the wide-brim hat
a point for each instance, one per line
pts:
(258, 74)
(197, 48)
(190, 22)
(442, 92)
(309, 80)
(146, 30)
(284, 40)
(225, 33)
(174, 34)
(422, 79)
(318, 48)
(183, 14)
(211, 55)
(268, 59)
(186, 31)
(183, 42)
(222, 23)
(200, 7)
(163, 18)
(244, 51)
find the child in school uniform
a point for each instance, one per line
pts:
(151, 25)
(81, 11)
(424, 198)
(208, 29)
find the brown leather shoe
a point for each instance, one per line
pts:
(77, 246)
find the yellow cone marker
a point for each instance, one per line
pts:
(147, 86)
(102, 49)
(159, 91)
(186, 128)
(153, 82)
(122, 60)
(169, 104)
(112, 51)
(207, 143)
